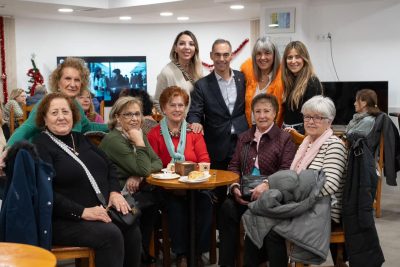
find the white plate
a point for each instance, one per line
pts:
(185, 179)
(165, 176)
(165, 170)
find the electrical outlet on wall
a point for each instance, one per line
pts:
(324, 36)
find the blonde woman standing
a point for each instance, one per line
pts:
(300, 82)
(185, 66)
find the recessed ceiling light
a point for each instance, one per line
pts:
(125, 18)
(65, 10)
(182, 18)
(166, 14)
(237, 7)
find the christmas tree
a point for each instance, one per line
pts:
(36, 77)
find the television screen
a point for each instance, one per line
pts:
(343, 95)
(110, 75)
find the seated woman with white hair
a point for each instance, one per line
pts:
(320, 149)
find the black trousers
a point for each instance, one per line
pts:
(219, 193)
(149, 203)
(114, 245)
(229, 216)
(273, 249)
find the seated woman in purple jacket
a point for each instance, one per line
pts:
(270, 149)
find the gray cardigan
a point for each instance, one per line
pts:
(292, 208)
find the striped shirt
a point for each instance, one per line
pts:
(332, 159)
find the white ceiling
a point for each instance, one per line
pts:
(141, 11)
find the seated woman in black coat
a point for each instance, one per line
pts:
(79, 218)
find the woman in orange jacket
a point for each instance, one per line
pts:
(263, 75)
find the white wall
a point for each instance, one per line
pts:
(365, 38)
(49, 39)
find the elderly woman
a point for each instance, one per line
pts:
(128, 148)
(366, 106)
(79, 218)
(300, 82)
(147, 106)
(185, 66)
(68, 78)
(263, 75)
(173, 140)
(270, 149)
(16, 100)
(85, 100)
(320, 150)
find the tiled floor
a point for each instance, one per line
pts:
(388, 227)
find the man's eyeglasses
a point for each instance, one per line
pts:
(316, 119)
(130, 115)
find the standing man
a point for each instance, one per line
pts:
(217, 108)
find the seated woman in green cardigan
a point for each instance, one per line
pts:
(68, 78)
(129, 149)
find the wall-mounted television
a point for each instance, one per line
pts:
(110, 75)
(343, 95)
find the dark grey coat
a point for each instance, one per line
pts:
(293, 209)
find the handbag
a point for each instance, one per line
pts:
(124, 219)
(249, 182)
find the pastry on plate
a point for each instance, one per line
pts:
(195, 175)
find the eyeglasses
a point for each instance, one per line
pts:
(130, 115)
(316, 119)
(179, 106)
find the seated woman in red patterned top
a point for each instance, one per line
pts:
(173, 140)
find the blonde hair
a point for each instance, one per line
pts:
(195, 62)
(69, 62)
(91, 113)
(120, 105)
(295, 86)
(15, 93)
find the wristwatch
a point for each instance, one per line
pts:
(265, 181)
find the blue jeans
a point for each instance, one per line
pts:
(178, 221)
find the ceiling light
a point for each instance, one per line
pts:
(125, 18)
(237, 7)
(166, 14)
(182, 18)
(65, 10)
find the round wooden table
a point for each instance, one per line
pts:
(218, 178)
(22, 255)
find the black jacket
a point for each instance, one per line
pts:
(391, 145)
(208, 107)
(362, 242)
